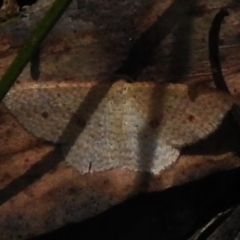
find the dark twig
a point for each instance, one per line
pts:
(214, 51)
(230, 227)
(215, 60)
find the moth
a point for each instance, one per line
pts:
(139, 126)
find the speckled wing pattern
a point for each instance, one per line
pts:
(138, 126)
(183, 113)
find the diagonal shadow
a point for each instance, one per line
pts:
(52, 159)
(48, 163)
(143, 50)
(183, 24)
(180, 53)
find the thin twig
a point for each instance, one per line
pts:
(215, 60)
(214, 51)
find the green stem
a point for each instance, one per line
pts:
(32, 45)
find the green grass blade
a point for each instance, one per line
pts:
(27, 51)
